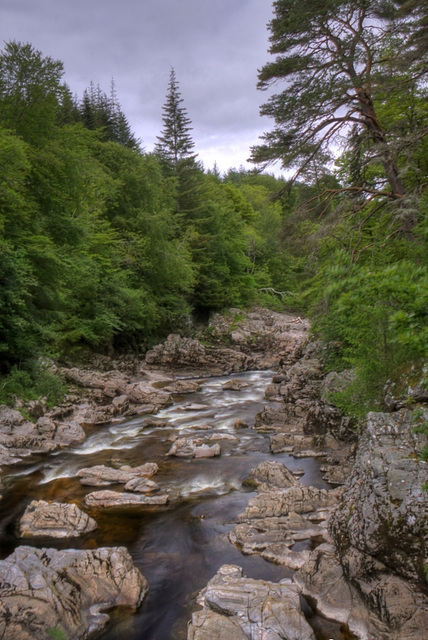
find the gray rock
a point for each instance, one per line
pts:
(380, 527)
(274, 474)
(183, 386)
(56, 520)
(44, 589)
(101, 476)
(209, 625)
(178, 353)
(108, 498)
(193, 448)
(141, 485)
(296, 499)
(246, 608)
(384, 508)
(234, 384)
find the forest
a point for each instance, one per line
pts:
(105, 247)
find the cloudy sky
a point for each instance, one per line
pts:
(215, 47)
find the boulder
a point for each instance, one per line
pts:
(236, 607)
(234, 384)
(56, 520)
(183, 386)
(141, 485)
(274, 474)
(101, 476)
(45, 591)
(281, 502)
(240, 424)
(275, 520)
(193, 448)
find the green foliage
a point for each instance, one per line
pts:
(31, 383)
(56, 633)
(103, 246)
(341, 63)
(376, 317)
(30, 91)
(421, 427)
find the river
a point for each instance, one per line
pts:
(178, 547)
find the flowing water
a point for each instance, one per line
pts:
(178, 547)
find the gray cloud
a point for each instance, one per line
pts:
(215, 46)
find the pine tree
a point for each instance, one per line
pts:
(340, 61)
(98, 111)
(175, 142)
(120, 129)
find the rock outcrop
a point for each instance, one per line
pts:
(20, 438)
(188, 354)
(55, 519)
(380, 527)
(45, 591)
(238, 608)
(277, 518)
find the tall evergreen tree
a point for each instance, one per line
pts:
(120, 129)
(99, 111)
(175, 143)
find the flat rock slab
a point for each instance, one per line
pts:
(56, 520)
(43, 591)
(281, 502)
(100, 475)
(108, 498)
(276, 519)
(236, 608)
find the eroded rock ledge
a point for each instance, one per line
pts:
(238, 608)
(45, 590)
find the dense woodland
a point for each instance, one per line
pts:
(106, 247)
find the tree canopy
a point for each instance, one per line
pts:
(340, 62)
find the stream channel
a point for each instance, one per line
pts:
(178, 547)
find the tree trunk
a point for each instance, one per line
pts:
(378, 136)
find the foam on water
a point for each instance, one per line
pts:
(210, 485)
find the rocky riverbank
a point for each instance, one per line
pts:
(357, 549)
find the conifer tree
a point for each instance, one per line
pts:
(99, 111)
(175, 143)
(340, 60)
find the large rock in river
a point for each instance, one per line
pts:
(57, 520)
(108, 498)
(101, 475)
(45, 591)
(237, 608)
